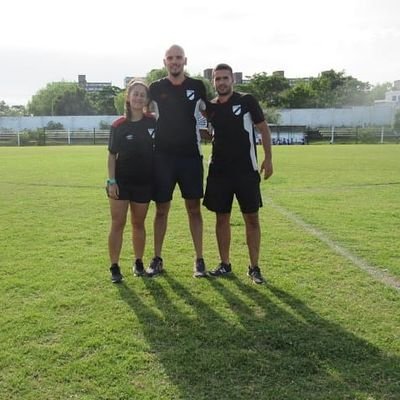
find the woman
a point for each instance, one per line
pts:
(130, 165)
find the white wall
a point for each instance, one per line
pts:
(378, 114)
(69, 122)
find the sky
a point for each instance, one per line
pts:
(45, 41)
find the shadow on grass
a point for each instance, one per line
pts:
(245, 342)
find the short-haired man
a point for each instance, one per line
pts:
(178, 159)
(233, 169)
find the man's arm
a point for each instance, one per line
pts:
(266, 165)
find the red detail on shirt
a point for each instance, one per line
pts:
(118, 122)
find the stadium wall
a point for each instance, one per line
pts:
(85, 122)
(376, 115)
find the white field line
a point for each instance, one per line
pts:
(376, 273)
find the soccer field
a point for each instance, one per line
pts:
(326, 326)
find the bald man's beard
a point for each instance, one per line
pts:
(176, 73)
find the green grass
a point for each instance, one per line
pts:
(321, 329)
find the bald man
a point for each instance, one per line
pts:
(177, 101)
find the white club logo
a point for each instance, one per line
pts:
(129, 137)
(151, 131)
(237, 109)
(190, 94)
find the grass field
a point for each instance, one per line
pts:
(326, 326)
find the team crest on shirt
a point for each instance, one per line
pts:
(237, 109)
(190, 94)
(151, 131)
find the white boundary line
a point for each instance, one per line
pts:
(376, 273)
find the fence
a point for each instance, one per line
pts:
(355, 135)
(281, 134)
(45, 137)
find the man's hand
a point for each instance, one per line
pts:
(267, 167)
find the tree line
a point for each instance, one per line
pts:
(330, 89)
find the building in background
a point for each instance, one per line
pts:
(237, 76)
(207, 74)
(92, 86)
(127, 79)
(393, 96)
(292, 81)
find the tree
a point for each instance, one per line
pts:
(102, 102)
(300, 96)
(329, 89)
(119, 102)
(324, 87)
(334, 89)
(353, 92)
(378, 91)
(60, 98)
(156, 74)
(3, 108)
(210, 92)
(243, 88)
(11, 111)
(73, 102)
(268, 89)
(51, 125)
